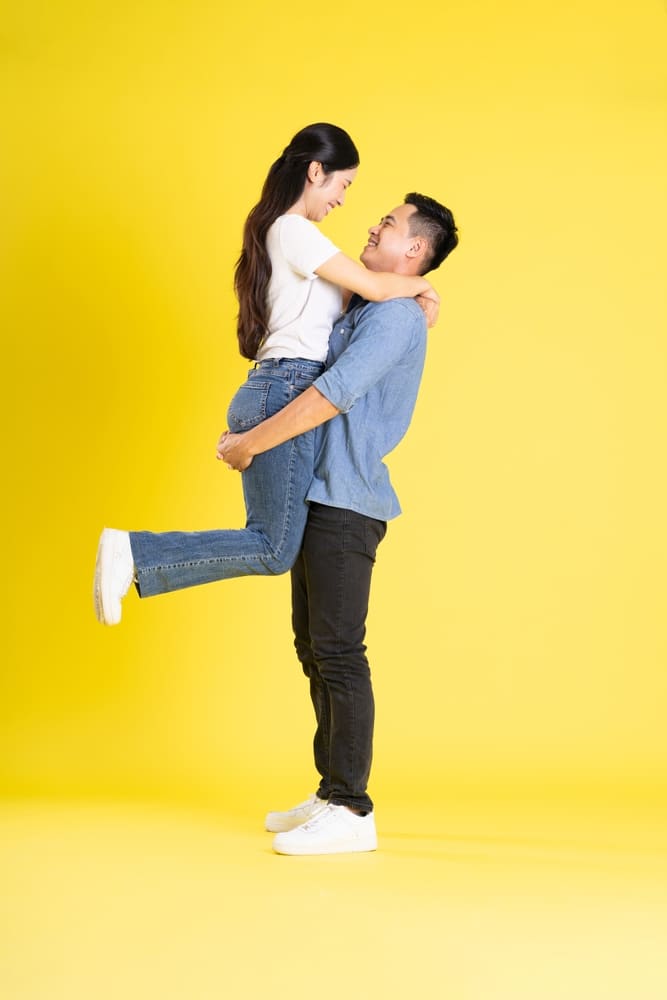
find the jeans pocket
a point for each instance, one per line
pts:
(248, 405)
(302, 381)
(374, 532)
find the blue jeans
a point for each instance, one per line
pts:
(331, 583)
(274, 489)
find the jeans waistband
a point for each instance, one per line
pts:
(304, 365)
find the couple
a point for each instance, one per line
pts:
(317, 500)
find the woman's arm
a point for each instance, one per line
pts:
(376, 286)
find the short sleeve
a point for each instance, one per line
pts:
(304, 247)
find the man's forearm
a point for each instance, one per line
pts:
(308, 410)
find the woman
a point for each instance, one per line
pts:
(291, 282)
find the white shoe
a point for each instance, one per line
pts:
(279, 822)
(335, 830)
(114, 572)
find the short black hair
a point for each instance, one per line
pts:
(436, 224)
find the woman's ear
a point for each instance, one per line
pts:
(315, 171)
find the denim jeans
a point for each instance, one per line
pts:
(274, 489)
(331, 582)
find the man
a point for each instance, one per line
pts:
(375, 363)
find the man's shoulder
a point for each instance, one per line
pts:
(399, 311)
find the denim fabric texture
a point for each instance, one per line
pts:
(274, 489)
(374, 367)
(331, 582)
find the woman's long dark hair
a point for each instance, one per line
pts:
(323, 143)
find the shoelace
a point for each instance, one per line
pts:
(313, 823)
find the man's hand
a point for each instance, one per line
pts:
(306, 411)
(430, 304)
(232, 451)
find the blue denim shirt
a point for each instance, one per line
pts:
(374, 367)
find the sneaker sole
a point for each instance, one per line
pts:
(340, 848)
(102, 613)
(335, 847)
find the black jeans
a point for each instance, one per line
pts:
(331, 582)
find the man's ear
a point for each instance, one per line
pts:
(418, 247)
(315, 171)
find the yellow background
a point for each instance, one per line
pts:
(517, 632)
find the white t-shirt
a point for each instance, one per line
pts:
(302, 306)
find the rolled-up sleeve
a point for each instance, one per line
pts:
(385, 333)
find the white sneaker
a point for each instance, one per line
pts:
(114, 572)
(279, 822)
(335, 830)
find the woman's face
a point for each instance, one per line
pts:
(324, 192)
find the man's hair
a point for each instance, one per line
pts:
(436, 224)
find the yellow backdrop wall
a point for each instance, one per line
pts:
(517, 632)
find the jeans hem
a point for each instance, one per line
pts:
(365, 805)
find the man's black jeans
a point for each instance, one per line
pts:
(331, 582)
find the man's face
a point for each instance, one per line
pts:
(389, 241)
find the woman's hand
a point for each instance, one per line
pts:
(430, 304)
(232, 451)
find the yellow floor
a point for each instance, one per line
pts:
(155, 902)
